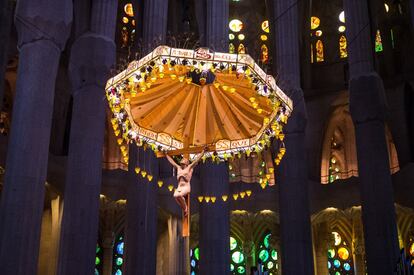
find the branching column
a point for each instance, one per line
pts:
(295, 230)
(214, 230)
(92, 56)
(141, 213)
(43, 28)
(368, 110)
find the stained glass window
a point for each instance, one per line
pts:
(319, 51)
(236, 25)
(265, 54)
(126, 31)
(315, 22)
(268, 255)
(411, 249)
(334, 166)
(311, 48)
(238, 260)
(265, 26)
(340, 257)
(263, 37)
(194, 260)
(241, 37)
(341, 17)
(118, 255)
(378, 42)
(129, 10)
(241, 48)
(387, 8)
(341, 28)
(343, 52)
(98, 260)
(232, 49)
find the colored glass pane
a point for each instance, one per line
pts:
(343, 253)
(318, 33)
(337, 273)
(241, 36)
(319, 51)
(266, 240)
(129, 10)
(337, 263)
(315, 22)
(241, 49)
(347, 266)
(118, 272)
(387, 8)
(412, 249)
(329, 265)
(337, 238)
(263, 255)
(265, 26)
(378, 42)
(233, 243)
(263, 37)
(97, 261)
(231, 267)
(98, 248)
(125, 20)
(96, 272)
(270, 265)
(119, 261)
(237, 257)
(241, 270)
(341, 17)
(120, 248)
(264, 58)
(232, 49)
(341, 28)
(236, 25)
(193, 263)
(274, 254)
(331, 253)
(231, 36)
(197, 253)
(343, 52)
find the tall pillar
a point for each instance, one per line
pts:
(107, 249)
(323, 239)
(141, 217)
(43, 29)
(295, 228)
(214, 230)
(92, 55)
(178, 256)
(141, 213)
(368, 110)
(358, 246)
(217, 21)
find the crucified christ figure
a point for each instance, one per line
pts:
(184, 174)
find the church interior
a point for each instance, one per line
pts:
(331, 195)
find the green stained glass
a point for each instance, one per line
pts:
(266, 241)
(197, 254)
(237, 257)
(337, 273)
(270, 265)
(378, 42)
(98, 249)
(241, 270)
(274, 254)
(263, 255)
(97, 261)
(233, 243)
(331, 253)
(119, 261)
(231, 267)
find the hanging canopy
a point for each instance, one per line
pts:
(182, 101)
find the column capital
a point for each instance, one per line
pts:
(367, 98)
(49, 21)
(92, 57)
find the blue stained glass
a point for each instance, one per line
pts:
(193, 273)
(193, 263)
(191, 253)
(329, 265)
(120, 248)
(337, 263)
(231, 267)
(96, 272)
(347, 266)
(118, 272)
(266, 240)
(237, 257)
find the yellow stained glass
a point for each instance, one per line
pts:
(341, 28)
(318, 33)
(319, 51)
(133, 23)
(263, 37)
(125, 20)
(241, 36)
(341, 17)
(241, 49)
(232, 49)
(311, 48)
(265, 26)
(236, 25)
(231, 36)
(129, 10)
(387, 8)
(343, 253)
(337, 238)
(343, 52)
(265, 54)
(412, 249)
(315, 22)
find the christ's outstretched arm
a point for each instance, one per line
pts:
(173, 163)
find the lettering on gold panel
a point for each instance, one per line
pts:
(240, 143)
(147, 133)
(227, 57)
(177, 144)
(164, 139)
(223, 145)
(182, 53)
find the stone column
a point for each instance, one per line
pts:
(107, 247)
(368, 110)
(217, 25)
(358, 247)
(92, 55)
(295, 229)
(155, 23)
(214, 220)
(141, 213)
(178, 248)
(323, 238)
(43, 28)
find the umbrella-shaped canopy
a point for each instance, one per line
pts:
(183, 100)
